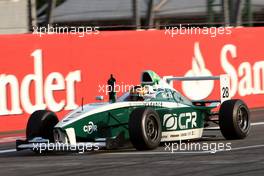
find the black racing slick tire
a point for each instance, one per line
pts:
(144, 129)
(234, 119)
(41, 124)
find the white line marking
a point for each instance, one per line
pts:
(190, 152)
(168, 152)
(7, 151)
(156, 153)
(257, 123)
(248, 147)
(252, 124)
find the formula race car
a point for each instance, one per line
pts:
(145, 116)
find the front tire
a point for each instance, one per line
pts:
(234, 119)
(41, 124)
(144, 129)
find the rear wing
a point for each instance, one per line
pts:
(224, 83)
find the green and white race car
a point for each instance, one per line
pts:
(151, 113)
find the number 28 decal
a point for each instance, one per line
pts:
(225, 91)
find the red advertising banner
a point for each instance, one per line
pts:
(56, 71)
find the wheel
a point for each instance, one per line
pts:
(144, 129)
(41, 124)
(234, 119)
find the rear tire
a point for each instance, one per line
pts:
(234, 119)
(41, 124)
(144, 129)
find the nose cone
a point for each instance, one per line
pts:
(79, 112)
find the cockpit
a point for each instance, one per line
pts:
(152, 93)
(153, 88)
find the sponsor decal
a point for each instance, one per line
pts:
(180, 122)
(205, 88)
(246, 79)
(62, 68)
(19, 97)
(90, 128)
(153, 104)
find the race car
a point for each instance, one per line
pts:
(148, 114)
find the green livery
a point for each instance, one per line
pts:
(148, 114)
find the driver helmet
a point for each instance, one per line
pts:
(137, 93)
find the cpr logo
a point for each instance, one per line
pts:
(170, 121)
(183, 121)
(90, 128)
(197, 90)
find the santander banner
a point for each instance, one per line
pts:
(57, 71)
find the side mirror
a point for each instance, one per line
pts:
(100, 98)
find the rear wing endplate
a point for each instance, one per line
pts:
(224, 83)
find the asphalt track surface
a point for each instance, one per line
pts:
(245, 158)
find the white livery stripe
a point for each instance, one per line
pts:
(182, 134)
(113, 106)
